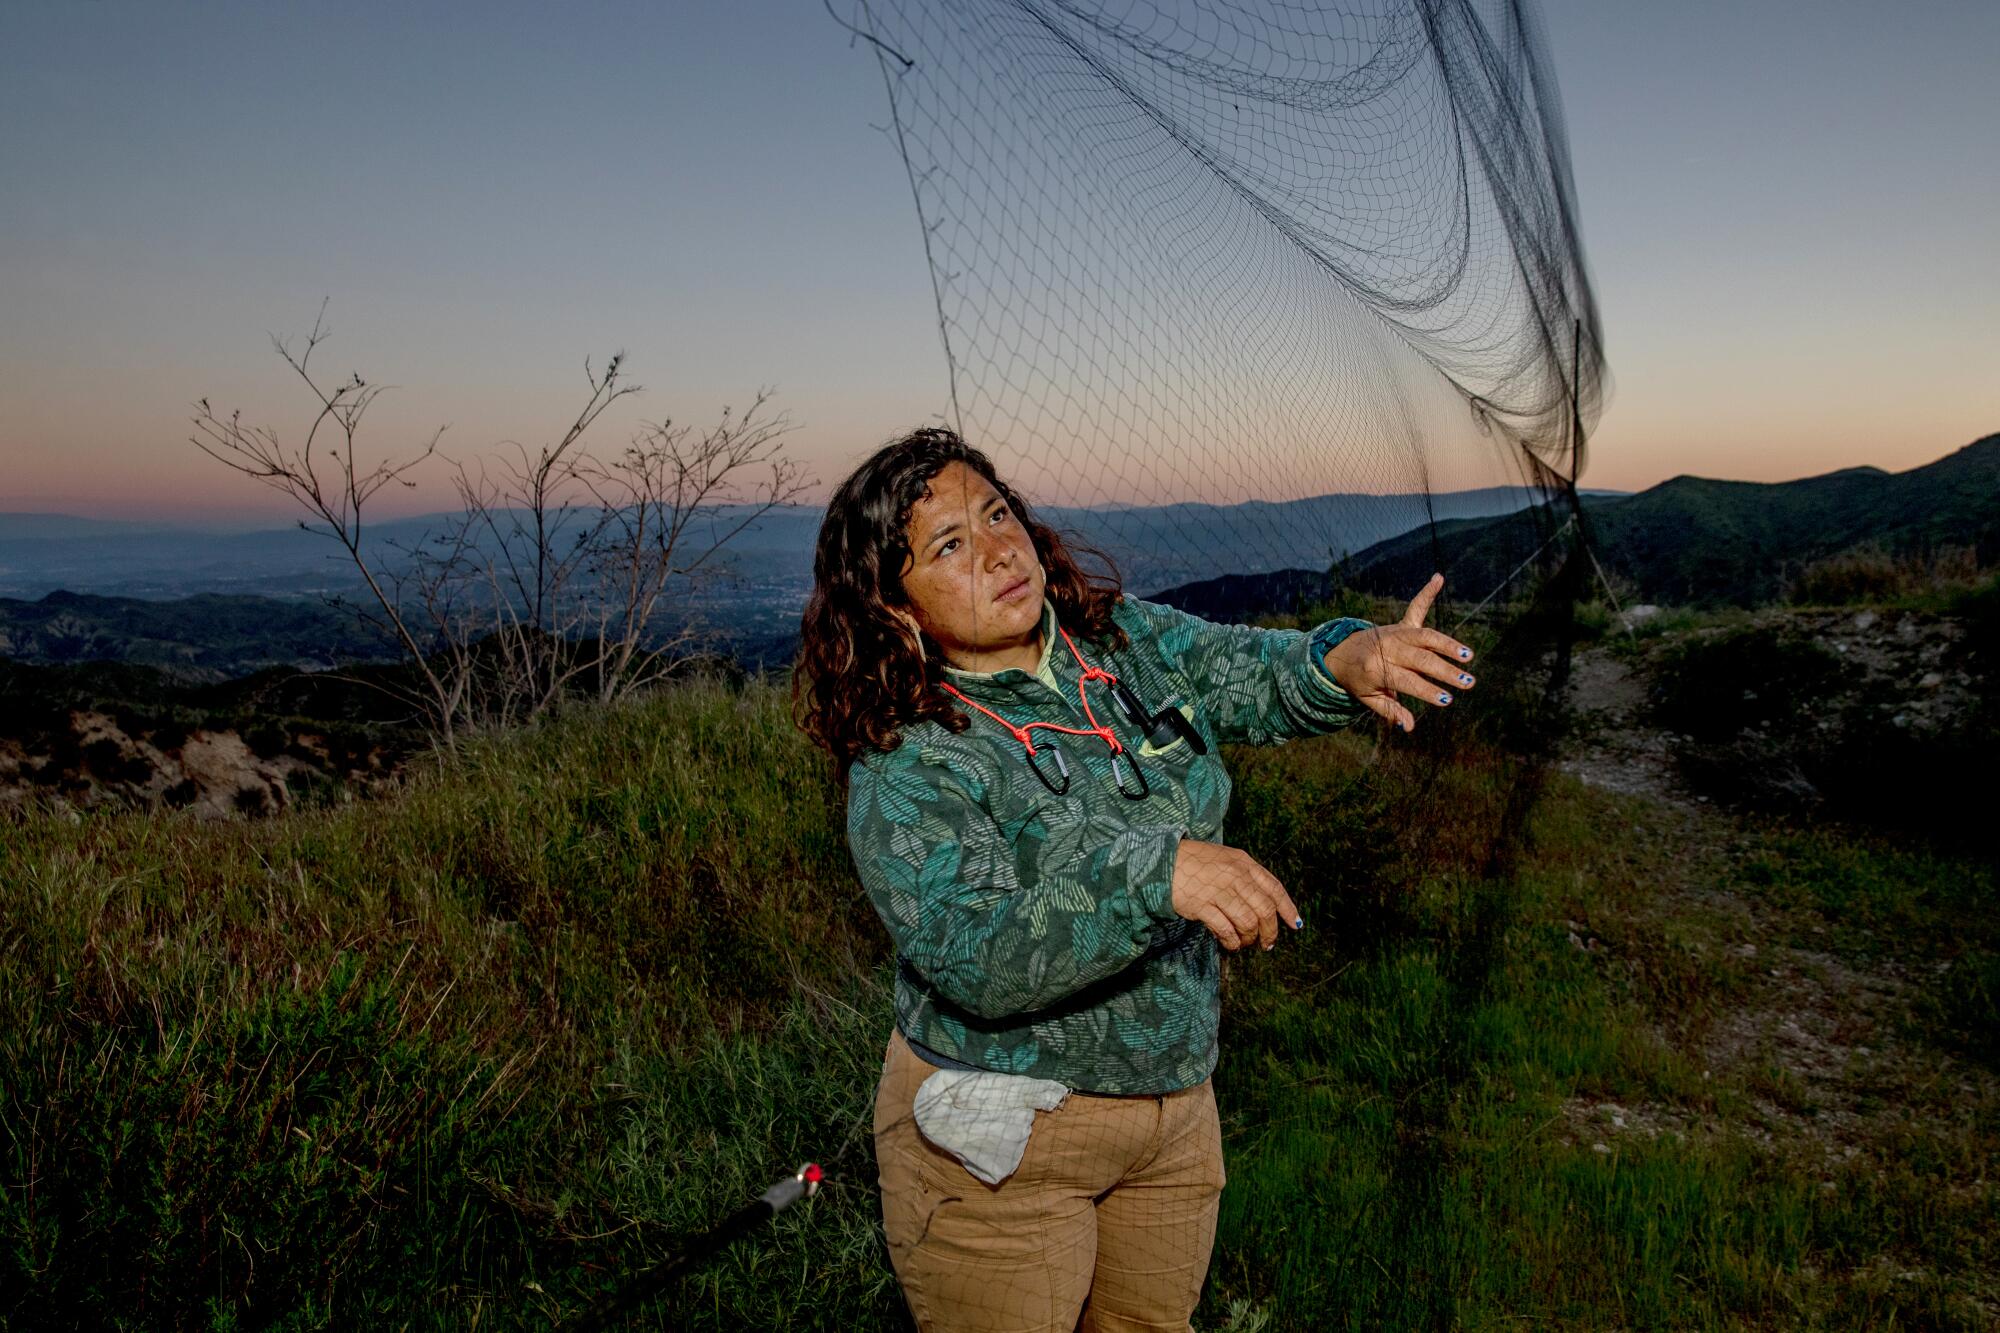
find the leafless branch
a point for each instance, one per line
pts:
(556, 566)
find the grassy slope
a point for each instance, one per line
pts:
(478, 1052)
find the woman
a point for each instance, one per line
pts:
(1035, 806)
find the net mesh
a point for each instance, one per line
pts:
(1202, 254)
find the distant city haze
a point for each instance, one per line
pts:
(1788, 207)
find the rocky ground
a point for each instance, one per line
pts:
(211, 773)
(1905, 672)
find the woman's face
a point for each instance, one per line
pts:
(972, 579)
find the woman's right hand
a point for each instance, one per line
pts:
(1224, 889)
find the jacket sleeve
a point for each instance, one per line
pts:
(948, 886)
(1258, 686)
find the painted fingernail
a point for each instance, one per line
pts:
(1272, 945)
(1298, 922)
(1465, 654)
(1444, 698)
(1464, 679)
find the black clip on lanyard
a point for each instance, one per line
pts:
(1061, 767)
(1162, 729)
(1122, 773)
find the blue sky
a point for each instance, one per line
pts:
(1789, 210)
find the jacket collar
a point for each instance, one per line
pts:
(1013, 681)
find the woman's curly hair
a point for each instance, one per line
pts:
(862, 674)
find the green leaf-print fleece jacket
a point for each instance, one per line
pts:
(1035, 934)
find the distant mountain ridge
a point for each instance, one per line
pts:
(214, 606)
(1153, 545)
(1689, 540)
(35, 526)
(1695, 540)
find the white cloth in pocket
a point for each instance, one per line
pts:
(982, 1118)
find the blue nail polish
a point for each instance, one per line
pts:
(1298, 923)
(1444, 698)
(1465, 654)
(1464, 679)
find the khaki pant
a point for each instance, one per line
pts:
(1110, 1216)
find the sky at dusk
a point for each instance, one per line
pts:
(1788, 208)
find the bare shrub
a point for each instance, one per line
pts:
(554, 579)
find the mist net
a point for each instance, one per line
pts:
(1192, 255)
(1225, 288)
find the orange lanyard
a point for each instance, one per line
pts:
(1022, 733)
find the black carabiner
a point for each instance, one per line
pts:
(1118, 766)
(1061, 768)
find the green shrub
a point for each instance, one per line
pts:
(1966, 1004)
(108, 761)
(252, 800)
(1768, 726)
(265, 737)
(1718, 686)
(1871, 576)
(1594, 620)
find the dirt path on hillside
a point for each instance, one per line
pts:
(1616, 748)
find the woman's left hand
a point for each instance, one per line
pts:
(1375, 665)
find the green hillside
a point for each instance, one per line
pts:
(1695, 541)
(208, 637)
(475, 1054)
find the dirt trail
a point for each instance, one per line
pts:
(1619, 749)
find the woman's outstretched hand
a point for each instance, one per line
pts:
(1375, 665)
(1237, 899)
